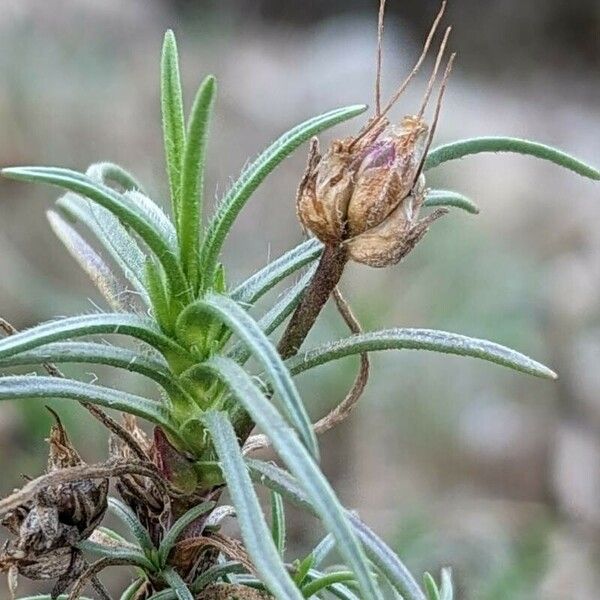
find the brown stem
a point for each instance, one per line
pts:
(326, 277)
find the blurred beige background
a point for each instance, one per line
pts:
(453, 461)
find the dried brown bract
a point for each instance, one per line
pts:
(47, 527)
(366, 192)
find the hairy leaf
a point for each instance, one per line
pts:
(192, 179)
(301, 464)
(127, 211)
(477, 145)
(17, 387)
(246, 328)
(449, 198)
(102, 323)
(251, 178)
(418, 339)
(91, 262)
(256, 534)
(377, 550)
(172, 118)
(179, 527)
(262, 281)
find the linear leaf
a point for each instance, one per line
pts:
(211, 574)
(262, 281)
(102, 323)
(17, 387)
(113, 236)
(158, 293)
(302, 465)
(153, 367)
(431, 587)
(178, 585)
(131, 555)
(377, 550)
(130, 520)
(171, 99)
(131, 592)
(419, 339)
(110, 172)
(154, 214)
(477, 145)
(278, 522)
(325, 581)
(192, 179)
(246, 328)
(91, 262)
(446, 588)
(118, 204)
(250, 179)
(449, 198)
(339, 590)
(178, 528)
(275, 315)
(256, 534)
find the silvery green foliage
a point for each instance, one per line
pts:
(202, 330)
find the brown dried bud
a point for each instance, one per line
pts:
(366, 192)
(48, 526)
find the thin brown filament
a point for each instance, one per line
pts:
(380, 114)
(433, 77)
(438, 108)
(379, 57)
(419, 62)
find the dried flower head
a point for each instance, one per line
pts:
(366, 192)
(47, 527)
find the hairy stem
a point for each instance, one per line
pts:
(326, 277)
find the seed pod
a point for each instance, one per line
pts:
(365, 192)
(47, 527)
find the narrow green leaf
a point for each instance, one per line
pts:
(158, 294)
(172, 118)
(154, 214)
(325, 581)
(134, 326)
(192, 179)
(418, 339)
(110, 172)
(306, 564)
(151, 366)
(129, 519)
(118, 204)
(17, 387)
(323, 549)
(256, 534)
(209, 576)
(431, 587)
(131, 593)
(173, 579)
(446, 589)
(178, 528)
(377, 550)
(91, 262)
(113, 236)
(249, 291)
(339, 590)
(278, 522)
(246, 328)
(131, 555)
(452, 199)
(251, 178)
(48, 597)
(461, 148)
(275, 315)
(298, 460)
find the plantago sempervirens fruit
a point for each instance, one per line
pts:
(365, 192)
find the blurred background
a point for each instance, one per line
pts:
(453, 461)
